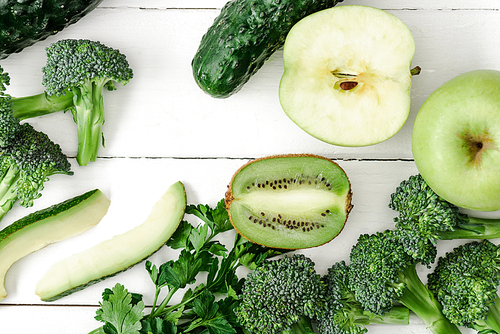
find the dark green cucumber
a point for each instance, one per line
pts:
(44, 227)
(244, 35)
(23, 23)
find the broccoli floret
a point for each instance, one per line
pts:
(381, 273)
(75, 75)
(26, 164)
(27, 157)
(424, 217)
(465, 281)
(281, 296)
(344, 314)
(9, 125)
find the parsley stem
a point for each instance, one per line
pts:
(157, 293)
(158, 311)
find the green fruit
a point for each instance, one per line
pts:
(456, 140)
(23, 23)
(289, 201)
(244, 35)
(347, 75)
(47, 226)
(117, 254)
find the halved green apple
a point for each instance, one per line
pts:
(347, 75)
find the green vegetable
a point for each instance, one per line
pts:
(26, 165)
(286, 296)
(121, 310)
(198, 310)
(77, 71)
(344, 314)
(23, 23)
(27, 157)
(117, 254)
(8, 124)
(465, 281)
(381, 273)
(47, 226)
(244, 35)
(424, 218)
(282, 296)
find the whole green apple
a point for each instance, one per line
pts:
(347, 75)
(456, 140)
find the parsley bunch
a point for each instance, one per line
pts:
(207, 306)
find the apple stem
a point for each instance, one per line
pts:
(415, 71)
(343, 75)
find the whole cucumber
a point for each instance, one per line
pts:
(23, 23)
(243, 37)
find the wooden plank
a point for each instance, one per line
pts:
(64, 320)
(386, 4)
(162, 113)
(134, 185)
(173, 131)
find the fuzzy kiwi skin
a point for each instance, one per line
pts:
(244, 35)
(229, 198)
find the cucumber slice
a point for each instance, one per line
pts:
(44, 227)
(289, 201)
(117, 254)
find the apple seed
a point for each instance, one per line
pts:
(348, 85)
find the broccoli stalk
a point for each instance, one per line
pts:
(88, 114)
(424, 217)
(303, 326)
(41, 104)
(466, 281)
(420, 301)
(492, 320)
(75, 76)
(344, 314)
(381, 273)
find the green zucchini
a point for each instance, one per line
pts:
(23, 23)
(44, 227)
(117, 254)
(244, 35)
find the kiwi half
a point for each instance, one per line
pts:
(289, 201)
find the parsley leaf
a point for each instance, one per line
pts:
(182, 272)
(158, 326)
(120, 313)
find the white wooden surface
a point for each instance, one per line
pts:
(161, 128)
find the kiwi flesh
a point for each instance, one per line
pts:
(289, 201)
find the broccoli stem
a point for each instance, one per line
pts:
(474, 228)
(303, 326)
(88, 114)
(398, 315)
(493, 318)
(8, 195)
(422, 302)
(40, 104)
